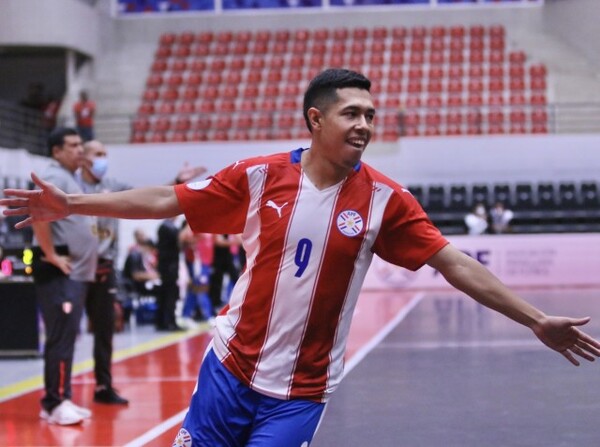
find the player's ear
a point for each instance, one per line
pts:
(314, 117)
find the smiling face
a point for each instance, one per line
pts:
(343, 129)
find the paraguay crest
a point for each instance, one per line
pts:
(183, 439)
(350, 223)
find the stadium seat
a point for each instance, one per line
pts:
(567, 196)
(480, 193)
(546, 196)
(146, 108)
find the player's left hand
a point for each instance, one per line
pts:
(562, 335)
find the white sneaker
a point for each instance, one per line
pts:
(63, 414)
(83, 412)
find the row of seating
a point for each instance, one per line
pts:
(412, 68)
(339, 33)
(538, 207)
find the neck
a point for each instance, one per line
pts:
(321, 171)
(88, 177)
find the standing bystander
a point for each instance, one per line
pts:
(65, 264)
(84, 111)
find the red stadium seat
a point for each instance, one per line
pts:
(496, 71)
(457, 32)
(496, 57)
(162, 124)
(454, 118)
(497, 31)
(146, 108)
(179, 65)
(167, 39)
(150, 95)
(475, 99)
(186, 107)
(538, 71)
(476, 31)
(163, 53)
(455, 100)
(537, 84)
(183, 124)
(538, 99)
(186, 38)
(496, 98)
(159, 65)
(268, 104)
(158, 137)
(169, 94)
(321, 34)
(166, 108)
(154, 80)
(141, 124)
(455, 85)
(190, 93)
(138, 137)
(517, 57)
(182, 51)
(175, 80)
(205, 37)
(436, 58)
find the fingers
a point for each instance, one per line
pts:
(579, 321)
(24, 223)
(582, 353)
(566, 354)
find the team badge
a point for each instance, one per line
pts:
(350, 223)
(183, 439)
(197, 186)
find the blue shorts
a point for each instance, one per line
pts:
(226, 413)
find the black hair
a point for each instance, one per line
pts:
(57, 137)
(321, 91)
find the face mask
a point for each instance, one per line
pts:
(99, 167)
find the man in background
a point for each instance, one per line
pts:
(102, 295)
(64, 265)
(84, 111)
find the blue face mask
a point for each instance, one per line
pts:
(99, 167)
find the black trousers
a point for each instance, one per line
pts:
(166, 301)
(221, 267)
(99, 306)
(61, 306)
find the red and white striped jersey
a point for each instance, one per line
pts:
(308, 250)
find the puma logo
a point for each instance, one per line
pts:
(273, 205)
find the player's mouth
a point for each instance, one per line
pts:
(358, 143)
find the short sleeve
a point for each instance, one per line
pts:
(218, 204)
(407, 237)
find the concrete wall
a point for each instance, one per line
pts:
(576, 22)
(58, 23)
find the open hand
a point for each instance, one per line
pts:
(46, 204)
(562, 335)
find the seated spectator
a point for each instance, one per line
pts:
(500, 218)
(140, 272)
(477, 220)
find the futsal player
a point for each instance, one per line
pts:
(311, 221)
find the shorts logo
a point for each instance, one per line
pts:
(183, 439)
(350, 223)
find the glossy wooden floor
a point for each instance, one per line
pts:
(158, 384)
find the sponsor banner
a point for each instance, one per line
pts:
(518, 260)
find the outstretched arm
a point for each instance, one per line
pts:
(50, 203)
(558, 333)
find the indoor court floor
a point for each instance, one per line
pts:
(427, 369)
